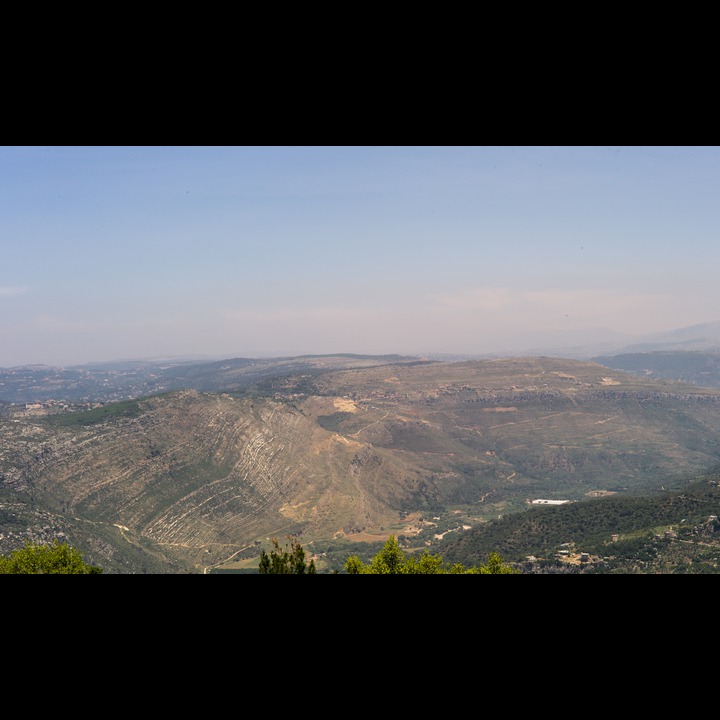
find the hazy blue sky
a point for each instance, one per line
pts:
(128, 252)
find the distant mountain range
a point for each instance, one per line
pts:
(585, 344)
(129, 379)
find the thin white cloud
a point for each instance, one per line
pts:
(294, 314)
(10, 291)
(478, 298)
(622, 309)
(595, 301)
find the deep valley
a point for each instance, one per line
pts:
(341, 452)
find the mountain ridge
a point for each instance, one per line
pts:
(189, 481)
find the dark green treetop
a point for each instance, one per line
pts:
(57, 558)
(286, 562)
(391, 560)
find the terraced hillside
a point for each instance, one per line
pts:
(188, 481)
(201, 476)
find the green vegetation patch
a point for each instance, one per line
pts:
(334, 421)
(112, 411)
(590, 524)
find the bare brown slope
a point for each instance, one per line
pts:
(505, 432)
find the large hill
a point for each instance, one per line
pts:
(673, 532)
(699, 367)
(129, 379)
(188, 481)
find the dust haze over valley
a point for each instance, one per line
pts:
(202, 348)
